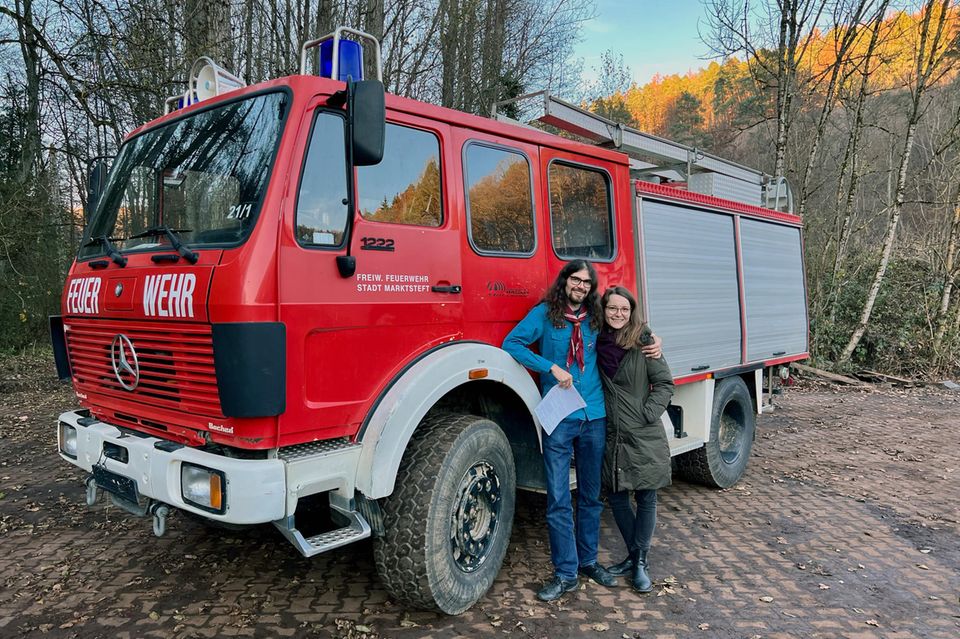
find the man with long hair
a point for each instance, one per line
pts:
(565, 326)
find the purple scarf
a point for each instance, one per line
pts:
(609, 353)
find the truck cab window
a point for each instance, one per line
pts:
(203, 175)
(580, 213)
(404, 188)
(499, 200)
(321, 211)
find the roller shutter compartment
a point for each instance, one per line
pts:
(774, 292)
(691, 286)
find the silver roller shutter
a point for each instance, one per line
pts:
(692, 290)
(776, 312)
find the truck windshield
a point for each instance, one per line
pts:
(203, 176)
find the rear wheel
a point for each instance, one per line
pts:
(722, 460)
(448, 522)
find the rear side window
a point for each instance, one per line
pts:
(580, 213)
(321, 212)
(404, 188)
(499, 200)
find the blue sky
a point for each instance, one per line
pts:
(653, 36)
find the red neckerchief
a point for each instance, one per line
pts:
(575, 353)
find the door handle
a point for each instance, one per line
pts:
(453, 288)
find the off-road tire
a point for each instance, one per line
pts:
(416, 557)
(722, 461)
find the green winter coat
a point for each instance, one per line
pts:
(637, 455)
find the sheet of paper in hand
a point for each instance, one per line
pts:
(557, 404)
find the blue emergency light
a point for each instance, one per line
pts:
(351, 60)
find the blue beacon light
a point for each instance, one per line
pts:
(351, 60)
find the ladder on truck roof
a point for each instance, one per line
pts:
(651, 155)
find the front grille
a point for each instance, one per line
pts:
(176, 364)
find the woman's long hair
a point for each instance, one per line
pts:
(634, 333)
(556, 299)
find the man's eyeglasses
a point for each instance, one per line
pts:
(576, 282)
(617, 310)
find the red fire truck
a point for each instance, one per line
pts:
(295, 293)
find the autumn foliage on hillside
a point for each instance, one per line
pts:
(735, 93)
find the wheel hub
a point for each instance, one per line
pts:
(730, 439)
(475, 516)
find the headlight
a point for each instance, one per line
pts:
(68, 440)
(202, 487)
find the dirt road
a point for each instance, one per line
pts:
(846, 525)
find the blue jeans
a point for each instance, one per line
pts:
(572, 547)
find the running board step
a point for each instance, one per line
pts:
(357, 529)
(684, 445)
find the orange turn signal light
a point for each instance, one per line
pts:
(216, 492)
(478, 373)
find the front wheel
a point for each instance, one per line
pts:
(722, 460)
(448, 522)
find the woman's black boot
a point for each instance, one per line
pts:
(625, 567)
(640, 580)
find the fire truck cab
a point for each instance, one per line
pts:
(298, 290)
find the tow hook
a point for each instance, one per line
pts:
(160, 512)
(93, 491)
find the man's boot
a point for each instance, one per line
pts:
(598, 574)
(640, 579)
(554, 588)
(625, 567)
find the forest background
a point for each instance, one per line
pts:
(856, 102)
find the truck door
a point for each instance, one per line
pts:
(503, 262)
(585, 198)
(347, 337)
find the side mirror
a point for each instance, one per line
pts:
(368, 112)
(96, 181)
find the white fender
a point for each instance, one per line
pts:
(403, 407)
(696, 400)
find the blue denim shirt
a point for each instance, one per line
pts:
(553, 343)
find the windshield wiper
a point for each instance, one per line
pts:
(108, 246)
(171, 234)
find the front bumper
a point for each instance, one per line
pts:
(256, 489)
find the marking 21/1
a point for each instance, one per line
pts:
(239, 211)
(376, 244)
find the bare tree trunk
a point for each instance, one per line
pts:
(248, 8)
(850, 32)
(956, 320)
(207, 31)
(949, 273)
(324, 17)
(449, 51)
(491, 63)
(845, 205)
(30, 51)
(467, 51)
(373, 18)
(795, 16)
(929, 68)
(285, 62)
(785, 74)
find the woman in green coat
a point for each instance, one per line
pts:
(637, 458)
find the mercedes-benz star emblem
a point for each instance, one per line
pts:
(125, 364)
(118, 290)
